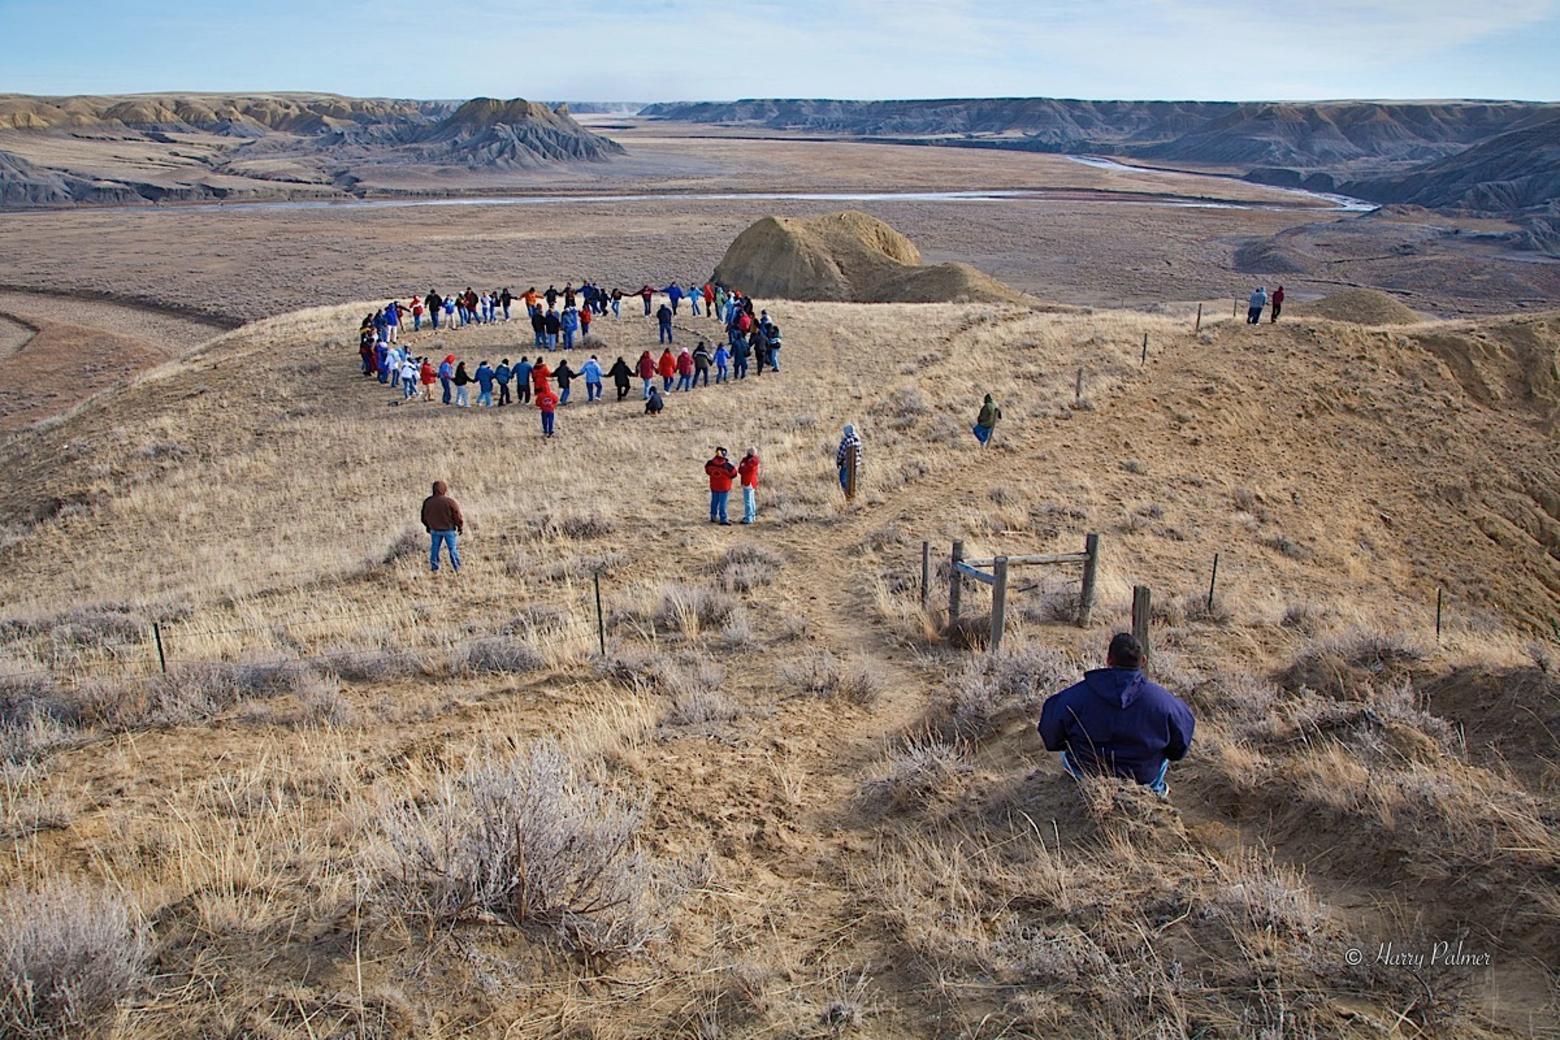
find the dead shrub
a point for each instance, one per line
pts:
(375, 664)
(528, 841)
(1256, 892)
(920, 771)
(576, 526)
(993, 690)
(410, 543)
(1306, 617)
(824, 675)
(701, 707)
(68, 955)
(498, 655)
(746, 567)
(691, 608)
(193, 692)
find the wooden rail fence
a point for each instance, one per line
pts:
(993, 571)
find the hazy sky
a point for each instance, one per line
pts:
(654, 50)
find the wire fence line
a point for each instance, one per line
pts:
(155, 651)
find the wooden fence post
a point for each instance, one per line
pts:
(954, 583)
(926, 572)
(999, 571)
(1142, 606)
(1078, 388)
(850, 475)
(1438, 593)
(162, 659)
(1199, 319)
(1091, 569)
(1234, 308)
(1144, 361)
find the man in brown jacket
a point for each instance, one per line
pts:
(441, 516)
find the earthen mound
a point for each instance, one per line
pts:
(1360, 306)
(847, 256)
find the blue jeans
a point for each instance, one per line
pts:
(445, 538)
(774, 358)
(648, 384)
(615, 308)
(1157, 785)
(417, 323)
(844, 477)
(749, 504)
(718, 506)
(667, 384)
(435, 316)
(568, 339)
(693, 304)
(685, 382)
(720, 374)
(701, 373)
(563, 396)
(506, 312)
(665, 334)
(462, 397)
(739, 368)
(484, 399)
(592, 392)
(446, 383)
(547, 423)
(409, 388)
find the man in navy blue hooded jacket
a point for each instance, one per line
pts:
(1118, 723)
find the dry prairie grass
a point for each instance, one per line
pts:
(344, 808)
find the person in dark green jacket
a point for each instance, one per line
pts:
(986, 422)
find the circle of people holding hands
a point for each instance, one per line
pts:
(751, 338)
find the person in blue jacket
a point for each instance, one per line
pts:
(503, 373)
(1117, 722)
(674, 294)
(522, 373)
(591, 370)
(485, 378)
(569, 322)
(446, 374)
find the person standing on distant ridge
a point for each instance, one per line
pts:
(1254, 306)
(442, 519)
(1277, 300)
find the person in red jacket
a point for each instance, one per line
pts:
(647, 294)
(720, 472)
(540, 374)
(668, 369)
(685, 370)
(1276, 301)
(547, 401)
(425, 375)
(747, 470)
(709, 300)
(646, 370)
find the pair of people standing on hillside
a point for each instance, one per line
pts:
(1260, 299)
(721, 473)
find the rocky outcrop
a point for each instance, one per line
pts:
(492, 133)
(846, 256)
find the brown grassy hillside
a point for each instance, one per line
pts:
(781, 805)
